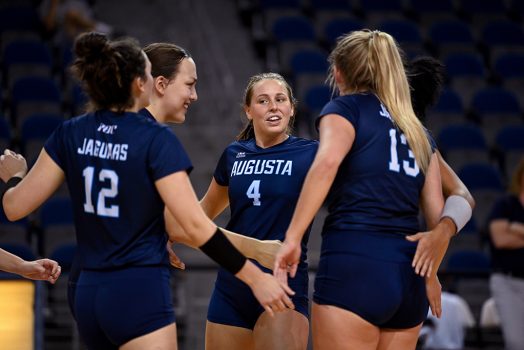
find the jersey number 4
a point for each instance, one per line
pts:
(253, 192)
(394, 165)
(105, 192)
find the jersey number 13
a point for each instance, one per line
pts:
(394, 165)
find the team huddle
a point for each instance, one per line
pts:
(375, 166)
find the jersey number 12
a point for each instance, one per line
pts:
(105, 192)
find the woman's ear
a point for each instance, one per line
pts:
(339, 79)
(159, 84)
(138, 86)
(248, 115)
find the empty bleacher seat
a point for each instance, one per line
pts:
(461, 144)
(337, 27)
(510, 141)
(56, 224)
(496, 108)
(451, 35)
(32, 95)
(485, 183)
(23, 58)
(34, 132)
(448, 110)
(466, 73)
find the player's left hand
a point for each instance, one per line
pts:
(174, 260)
(287, 261)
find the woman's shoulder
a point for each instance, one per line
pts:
(303, 142)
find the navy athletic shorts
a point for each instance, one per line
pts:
(114, 307)
(234, 304)
(370, 274)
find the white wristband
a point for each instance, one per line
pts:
(457, 209)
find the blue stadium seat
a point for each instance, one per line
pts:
(32, 95)
(339, 26)
(509, 66)
(272, 10)
(290, 34)
(18, 22)
(315, 98)
(481, 176)
(448, 110)
(16, 232)
(405, 32)
(468, 262)
(510, 141)
(511, 138)
(461, 144)
(326, 10)
(22, 58)
(429, 11)
(496, 107)
(464, 64)
(374, 9)
(509, 69)
(449, 102)
(56, 224)
(451, 35)
(501, 36)
(309, 61)
(308, 67)
(501, 32)
(484, 181)
(466, 73)
(35, 130)
(293, 28)
(479, 11)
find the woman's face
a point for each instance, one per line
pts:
(180, 92)
(270, 109)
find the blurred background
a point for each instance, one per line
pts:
(477, 122)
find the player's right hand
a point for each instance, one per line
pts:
(272, 294)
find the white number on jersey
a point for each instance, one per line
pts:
(106, 192)
(394, 163)
(253, 192)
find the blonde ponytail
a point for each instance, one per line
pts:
(371, 61)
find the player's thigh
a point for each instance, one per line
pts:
(335, 328)
(392, 339)
(162, 339)
(287, 330)
(221, 336)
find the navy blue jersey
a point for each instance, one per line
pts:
(264, 185)
(111, 162)
(378, 184)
